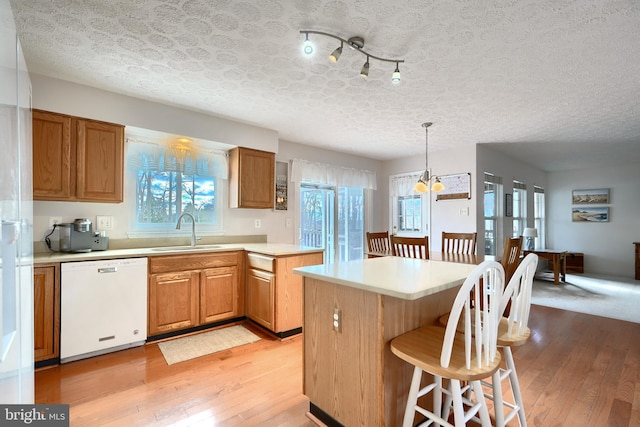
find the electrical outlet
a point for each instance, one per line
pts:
(258, 223)
(53, 220)
(104, 222)
(337, 320)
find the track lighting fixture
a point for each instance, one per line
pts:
(355, 43)
(422, 186)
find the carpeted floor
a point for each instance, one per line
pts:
(606, 296)
(181, 349)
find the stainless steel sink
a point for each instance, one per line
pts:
(185, 248)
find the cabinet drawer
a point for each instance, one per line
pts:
(261, 262)
(160, 264)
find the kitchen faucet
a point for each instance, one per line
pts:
(193, 227)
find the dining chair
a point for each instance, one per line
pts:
(464, 356)
(511, 256)
(378, 242)
(513, 331)
(459, 243)
(410, 247)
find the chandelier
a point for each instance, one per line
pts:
(422, 186)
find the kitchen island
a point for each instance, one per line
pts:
(352, 310)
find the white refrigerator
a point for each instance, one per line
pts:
(16, 216)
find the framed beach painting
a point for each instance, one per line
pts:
(589, 214)
(598, 196)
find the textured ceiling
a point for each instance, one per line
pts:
(542, 76)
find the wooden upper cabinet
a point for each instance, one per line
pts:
(76, 159)
(52, 178)
(100, 159)
(251, 178)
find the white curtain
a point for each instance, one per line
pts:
(326, 174)
(179, 157)
(402, 185)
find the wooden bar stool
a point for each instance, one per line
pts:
(512, 332)
(466, 356)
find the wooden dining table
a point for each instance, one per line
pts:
(440, 256)
(557, 259)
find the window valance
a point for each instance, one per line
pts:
(187, 158)
(326, 174)
(402, 185)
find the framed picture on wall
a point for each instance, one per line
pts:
(508, 204)
(589, 197)
(590, 214)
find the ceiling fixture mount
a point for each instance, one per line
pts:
(422, 186)
(355, 43)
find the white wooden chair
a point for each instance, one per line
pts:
(467, 356)
(513, 331)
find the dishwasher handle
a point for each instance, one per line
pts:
(108, 270)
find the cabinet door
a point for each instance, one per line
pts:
(100, 158)
(219, 294)
(260, 297)
(44, 339)
(52, 178)
(251, 178)
(288, 299)
(173, 301)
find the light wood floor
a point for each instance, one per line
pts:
(576, 370)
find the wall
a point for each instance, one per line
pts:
(608, 247)
(278, 226)
(499, 164)
(445, 214)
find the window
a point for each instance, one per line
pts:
(492, 194)
(519, 208)
(409, 217)
(539, 216)
(161, 197)
(409, 210)
(174, 179)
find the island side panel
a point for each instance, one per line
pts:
(342, 369)
(401, 316)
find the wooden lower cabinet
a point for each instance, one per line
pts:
(274, 292)
(173, 301)
(219, 294)
(193, 290)
(261, 286)
(46, 313)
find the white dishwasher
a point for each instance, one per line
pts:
(103, 307)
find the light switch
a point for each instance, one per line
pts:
(104, 222)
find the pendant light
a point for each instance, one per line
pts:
(422, 186)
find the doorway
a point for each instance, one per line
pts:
(332, 218)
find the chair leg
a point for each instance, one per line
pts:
(412, 399)
(498, 403)
(437, 396)
(515, 385)
(483, 411)
(458, 408)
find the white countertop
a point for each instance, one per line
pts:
(273, 249)
(399, 277)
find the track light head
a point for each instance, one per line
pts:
(395, 77)
(364, 73)
(307, 46)
(335, 55)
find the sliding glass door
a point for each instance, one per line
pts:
(332, 218)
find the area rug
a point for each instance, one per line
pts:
(193, 346)
(612, 297)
